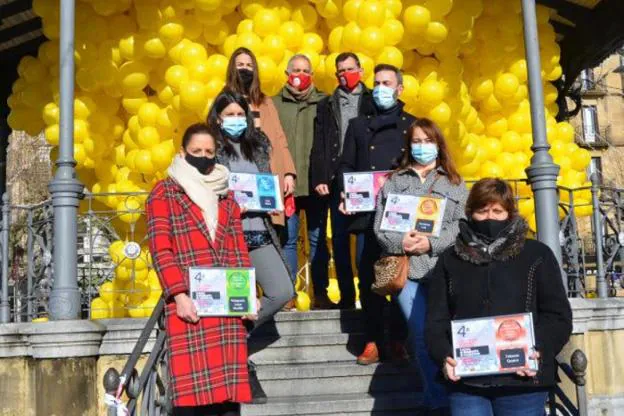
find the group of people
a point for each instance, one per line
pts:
(480, 264)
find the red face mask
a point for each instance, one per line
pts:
(301, 81)
(350, 79)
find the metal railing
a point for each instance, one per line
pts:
(148, 392)
(591, 237)
(559, 404)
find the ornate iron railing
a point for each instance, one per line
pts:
(147, 391)
(559, 404)
(591, 237)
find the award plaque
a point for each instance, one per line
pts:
(256, 191)
(362, 188)
(223, 291)
(493, 345)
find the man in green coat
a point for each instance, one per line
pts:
(296, 104)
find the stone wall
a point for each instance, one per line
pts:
(57, 368)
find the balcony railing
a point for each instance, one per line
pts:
(601, 139)
(590, 87)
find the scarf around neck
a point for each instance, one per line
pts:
(300, 95)
(471, 247)
(203, 190)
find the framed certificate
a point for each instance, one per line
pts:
(361, 189)
(257, 191)
(223, 291)
(493, 345)
(404, 213)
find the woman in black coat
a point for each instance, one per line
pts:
(494, 270)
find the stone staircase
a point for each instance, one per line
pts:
(306, 364)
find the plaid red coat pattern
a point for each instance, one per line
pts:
(208, 360)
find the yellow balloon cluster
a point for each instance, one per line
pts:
(134, 290)
(146, 69)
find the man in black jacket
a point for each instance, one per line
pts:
(348, 101)
(376, 142)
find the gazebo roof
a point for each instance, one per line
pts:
(587, 31)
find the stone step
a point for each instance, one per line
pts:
(383, 404)
(313, 322)
(320, 348)
(328, 378)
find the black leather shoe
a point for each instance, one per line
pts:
(258, 396)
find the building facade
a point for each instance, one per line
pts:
(599, 124)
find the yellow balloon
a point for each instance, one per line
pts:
(350, 9)
(431, 92)
(491, 170)
(99, 309)
(161, 155)
(312, 41)
(335, 39)
(245, 26)
(176, 75)
(155, 48)
(267, 70)
(266, 22)
(143, 162)
(292, 34)
(129, 210)
(372, 40)
(191, 53)
(148, 137)
(565, 132)
(133, 100)
(506, 85)
(441, 113)
(351, 36)
(393, 31)
(302, 301)
(250, 41)
(496, 125)
(218, 65)
(148, 114)
(416, 19)
(333, 291)
(217, 34)
(329, 9)
(371, 13)
(306, 16)
(171, 33)
(391, 55)
(436, 32)
(511, 141)
(199, 70)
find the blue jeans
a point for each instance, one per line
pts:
(316, 221)
(526, 404)
(413, 303)
(342, 250)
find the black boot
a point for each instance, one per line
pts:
(258, 396)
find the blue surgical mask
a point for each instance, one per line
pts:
(234, 126)
(384, 97)
(424, 153)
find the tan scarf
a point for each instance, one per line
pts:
(300, 95)
(204, 190)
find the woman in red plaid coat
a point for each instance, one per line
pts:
(194, 221)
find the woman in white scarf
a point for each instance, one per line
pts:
(207, 375)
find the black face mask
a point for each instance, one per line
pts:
(203, 164)
(490, 229)
(246, 77)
